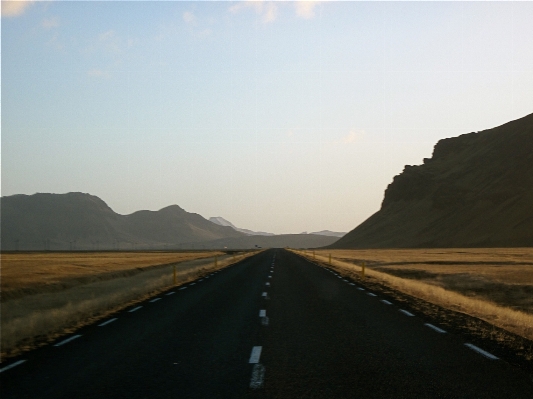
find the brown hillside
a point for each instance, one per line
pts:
(475, 191)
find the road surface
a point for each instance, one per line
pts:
(271, 326)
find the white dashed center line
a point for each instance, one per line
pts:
(267, 283)
(256, 354)
(182, 288)
(440, 330)
(155, 300)
(371, 294)
(66, 341)
(481, 351)
(406, 312)
(12, 365)
(192, 284)
(262, 313)
(360, 289)
(170, 293)
(105, 323)
(264, 294)
(134, 309)
(386, 302)
(258, 376)
(352, 284)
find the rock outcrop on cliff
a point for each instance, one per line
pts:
(475, 191)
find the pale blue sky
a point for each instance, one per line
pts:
(281, 117)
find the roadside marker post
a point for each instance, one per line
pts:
(363, 270)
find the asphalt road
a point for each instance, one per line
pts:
(272, 326)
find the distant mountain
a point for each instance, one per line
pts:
(274, 241)
(329, 233)
(83, 221)
(475, 191)
(78, 221)
(223, 222)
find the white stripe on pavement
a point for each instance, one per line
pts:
(105, 323)
(406, 312)
(134, 309)
(258, 376)
(481, 351)
(66, 341)
(256, 354)
(440, 330)
(12, 365)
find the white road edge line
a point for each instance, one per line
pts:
(105, 323)
(134, 309)
(155, 299)
(258, 376)
(481, 351)
(66, 341)
(12, 365)
(406, 312)
(386, 302)
(256, 354)
(262, 313)
(439, 330)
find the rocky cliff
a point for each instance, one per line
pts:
(475, 191)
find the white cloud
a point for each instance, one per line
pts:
(49, 23)
(98, 73)
(189, 18)
(267, 10)
(12, 8)
(352, 137)
(305, 9)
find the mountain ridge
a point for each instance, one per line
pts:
(475, 191)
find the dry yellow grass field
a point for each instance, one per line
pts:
(66, 291)
(493, 284)
(33, 273)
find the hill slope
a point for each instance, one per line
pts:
(475, 191)
(83, 221)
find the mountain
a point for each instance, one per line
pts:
(223, 222)
(83, 221)
(475, 191)
(274, 241)
(329, 233)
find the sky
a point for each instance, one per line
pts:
(278, 116)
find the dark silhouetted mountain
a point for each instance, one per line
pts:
(83, 221)
(475, 191)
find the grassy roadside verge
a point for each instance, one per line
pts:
(35, 320)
